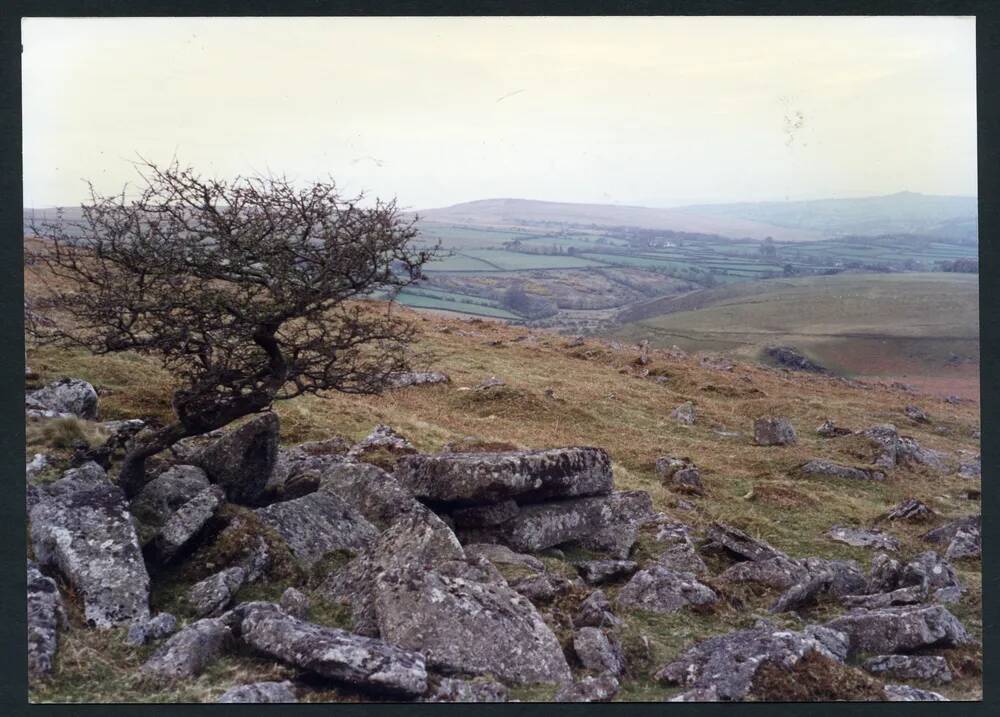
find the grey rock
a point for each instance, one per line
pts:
(681, 474)
(911, 510)
(967, 543)
(595, 611)
(773, 431)
(295, 603)
(828, 469)
(741, 545)
(242, 460)
(45, 616)
(260, 693)
(971, 469)
(905, 693)
(618, 523)
(165, 494)
(791, 358)
(213, 594)
(318, 523)
(539, 588)
(659, 589)
(186, 523)
(485, 516)
(910, 595)
(489, 383)
(685, 414)
(189, 652)
(477, 478)
(480, 690)
(405, 379)
(845, 577)
(803, 594)
(930, 570)
(910, 452)
(779, 572)
(946, 533)
(38, 463)
(502, 555)
(916, 414)
(910, 667)
(362, 662)
(67, 396)
(828, 429)
(679, 551)
(948, 596)
(602, 688)
(863, 538)
(900, 629)
(885, 574)
(80, 526)
(156, 628)
(595, 572)
(382, 438)
(726, 665)
(885, 440)
(374, 493)
(598, 652)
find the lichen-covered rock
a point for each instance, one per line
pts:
(502, 555)
(242, 461)
(910, 452)
(189, 652)
(620, 518)
(479, 690)
(911, 510)
(967, 543)
(905, 693)
(38, 463)
(971, 469)
(827, 429)
(916, 414)
(726, 665)
(659, 589)
(944, 534)
(295, 603)
(679, 552)
(382, 440)
(739, 544)
(597, 652)
(929, 570)
(910, 595)
(828, 469)
(930, 668)
(539, 588)
(80, 526)
(165, 494)
(405, 379)
(685, 414)
(186, 523)
(681, 474)
(478, 478)
(362, 662)
(595, 572)
(773, 431)
(884, 440)
(863, 538)
(318, 523)
(602, 688)
(375, 494)
(65, 397)
(45, 616)
(595, 611)
(779, 572)
(900, 629)
(260, 693)
(155, 628)
(791, 358)
(213, 594)
(485, 516)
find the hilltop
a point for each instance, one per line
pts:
(557, 392)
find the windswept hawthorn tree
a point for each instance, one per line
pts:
(249, 291)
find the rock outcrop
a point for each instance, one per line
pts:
(241, 461)
(62, 398)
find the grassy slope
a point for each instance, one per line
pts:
(599, 400)
(855, 323)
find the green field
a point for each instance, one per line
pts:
(459, 306)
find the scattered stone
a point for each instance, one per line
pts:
(791, 358)
(827, 429)
(740, 545)
(80, 526)
(538, 588)
(967, 543)
(295, 603)
(595, 611)
(362, 662)
(685, 414)
(971, 470)
(45, 616)
(452, 690)
(910, 452)
(946, 533)
(260, 693)
(477, 478)
(491, 382)
(885, 441)
(405, 379)
(62, 398)
(213, 594)
(910, 595)
(773, 431)
(905, 693)
(186, 523)
(164, 495)
(382, 439)
(317, 524)
(602, 688)
(716, 362)
(680, 553)
(885, 574)
(916, 414)
(862, 538)
(829, 469)
(802, 594)
(189, 652)
(680, 473)
(910, 667)
(595, 572)
(241, 461)
(724, 667)
(929, 570)
(156, 628)
(900, 629)
(598, 652)
(659, 589)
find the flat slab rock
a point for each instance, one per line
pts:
(362, 662)
(725, 666)
(81, 526)
(900, 629)
(476, 478)
(659, 589)
(186, 523)
(863, 538)
(318, 523)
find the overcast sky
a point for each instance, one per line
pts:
(653, 111)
